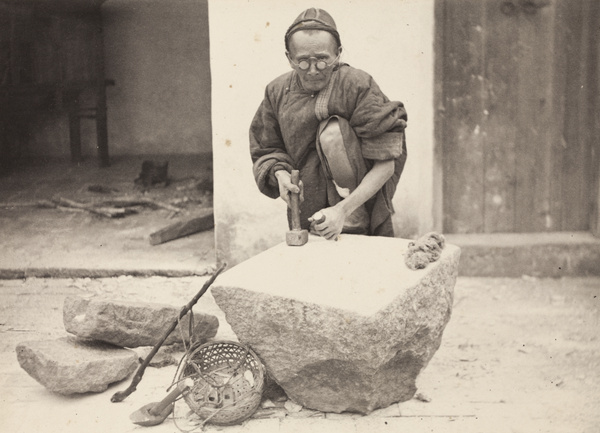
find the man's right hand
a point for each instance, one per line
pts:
(286, 187)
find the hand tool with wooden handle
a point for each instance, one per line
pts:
(296, 236)
(155, 413)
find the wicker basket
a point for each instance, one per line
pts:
(228, 382)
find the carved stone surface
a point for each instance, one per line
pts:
(132, 324)
(341, 326)
(70, 366)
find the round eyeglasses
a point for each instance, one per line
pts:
(320, 64)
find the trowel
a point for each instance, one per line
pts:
(155, 413)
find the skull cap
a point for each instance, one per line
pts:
(313, 19)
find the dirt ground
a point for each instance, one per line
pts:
(518, 355)
(65, 241)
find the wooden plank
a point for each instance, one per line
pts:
(594, 110)
(595, 223)
(588, 96)
(559, 80)
(189, 226)
(463, 103)
(499, 131)
(596, 214)
(127, 201)
(104, 211)
(534, 117)
(575, 194)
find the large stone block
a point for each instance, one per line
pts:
(132, 324)
(70, 366)
(341, 326)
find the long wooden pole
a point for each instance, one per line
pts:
(122, 395)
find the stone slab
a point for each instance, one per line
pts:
(356, 274)
(543, 255)
(341, 326)
(71, 366)
(132, 324)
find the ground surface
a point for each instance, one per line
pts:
(519, 355)
(57, 242)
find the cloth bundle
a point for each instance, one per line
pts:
(428, 248)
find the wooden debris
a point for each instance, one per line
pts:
(65, 204)
(37, 203)
(110, 212)
(136, 201)
(70, 209)
(189, 226)
(112, 207)
(101, 189)
(180, 201)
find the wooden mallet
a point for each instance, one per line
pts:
(296, 236)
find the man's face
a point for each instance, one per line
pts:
(319, 45)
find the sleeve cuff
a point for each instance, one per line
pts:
(279, 166)
(383, 147)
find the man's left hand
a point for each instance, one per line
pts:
(331, 228)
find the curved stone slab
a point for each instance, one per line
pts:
(341, 326)
(71, 366)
